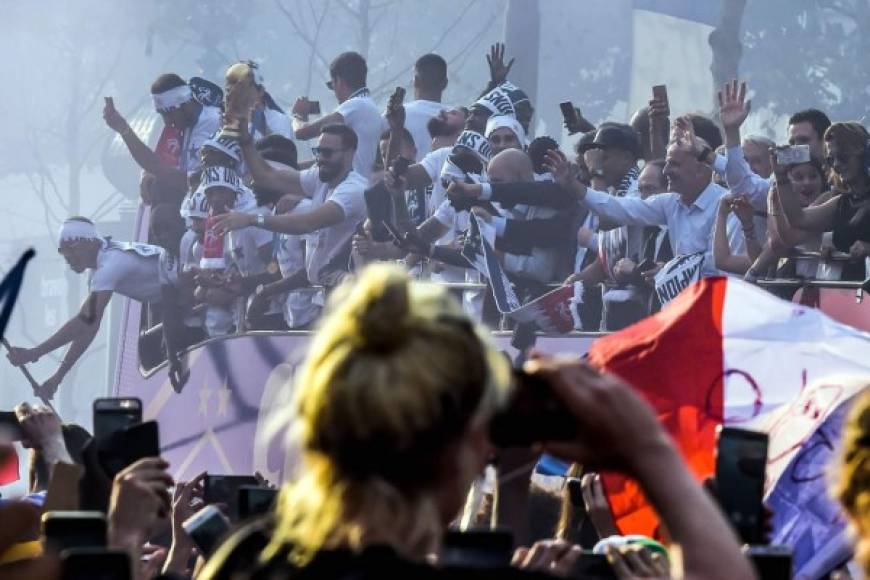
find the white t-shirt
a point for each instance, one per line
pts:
(242, 247)
(417, 115)
(329, 242)
(299, 307)
(360, 114)
(207, 124)
(276, 123)
(131, 270)
(432, 162)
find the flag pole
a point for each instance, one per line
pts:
(30, 379)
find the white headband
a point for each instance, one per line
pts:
(498, 102)
(172, 99)
(451, 171)
(477, 143)
(499, 121)
(218, 176)
(226, 145)
(73, 230)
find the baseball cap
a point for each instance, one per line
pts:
(616, 136)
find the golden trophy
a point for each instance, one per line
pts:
(240, 93)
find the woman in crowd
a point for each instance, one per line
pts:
(392, 413)
(846, 214)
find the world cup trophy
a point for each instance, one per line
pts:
(240, 93)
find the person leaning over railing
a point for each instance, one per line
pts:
(847, 214)
(392, 412)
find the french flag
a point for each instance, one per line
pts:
(725, 352)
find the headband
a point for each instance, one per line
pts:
(498, 102)
(227, 145)
(172, 99)
(74, 230)
(499, 121)
(219, 176)
(451, 171)
(476, 142)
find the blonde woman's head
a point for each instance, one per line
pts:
(852, 487)
(391, 412)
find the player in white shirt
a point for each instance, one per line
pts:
(336, 192)
(175, 102)
(430, 80)
(356, 110)
(131, 270)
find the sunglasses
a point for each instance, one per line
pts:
(324, 152)
(843, 158)
(330, 86)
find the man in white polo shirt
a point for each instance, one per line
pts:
(131, 270)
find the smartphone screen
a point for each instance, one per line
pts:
(96, 564)
(255, 501)
(379, 206)
(771, 562)
(741, 459)
(63, 530)
(113, 414)
(660, 93)
(315, 107)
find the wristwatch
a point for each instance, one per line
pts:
(261, 220)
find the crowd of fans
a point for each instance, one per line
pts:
(398, 392)
(394, 412)
(246, 236)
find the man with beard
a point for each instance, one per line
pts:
(336, 193)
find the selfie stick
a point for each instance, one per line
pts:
(30, 378)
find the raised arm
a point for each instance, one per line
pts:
(305, 130)
(141, 153)
(818, 218)
(722, 256)
(285, 180)
(603, 405)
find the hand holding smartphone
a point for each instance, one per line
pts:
(741, 459)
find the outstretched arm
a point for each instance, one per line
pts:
(141, 153)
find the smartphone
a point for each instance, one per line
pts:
(771, 562)
(660, 93)
(63, 530)
(741, 458)
(594, 567)
(314, 107)
(477, 549)
(10, 426)
(224, 489)
(793, 154)
(379, 207)
(206, 528)
(95, 564)
(255, 501)
(534, 414)
(141, 441)
(114, 414)
(569, 114)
